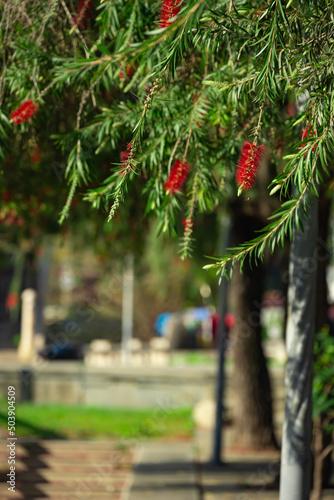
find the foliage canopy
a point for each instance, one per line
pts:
(110, 80)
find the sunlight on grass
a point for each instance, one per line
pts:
(60, 421)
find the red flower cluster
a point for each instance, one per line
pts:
(84, 8)
(188, 225)
(127, 70)
(25, 111)
(125, 157)
(248, 165)
(125, 154)
(177, 176)
(305, 134)
(169, 9)
(12, 300)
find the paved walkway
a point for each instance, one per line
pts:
(182, 471)
(68, 470)
(164, 470)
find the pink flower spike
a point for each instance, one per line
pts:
(125, 157)
(177, 176)
(22, 113)
(306, 133)
(84, 8)
(248, 165)
(169, 9)
(188, 225)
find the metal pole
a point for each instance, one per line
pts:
(127, 307)
(297, 429)
(222, 307)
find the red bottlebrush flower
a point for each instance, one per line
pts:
(306, 132)
(84, 8)
(248, 165)
(36, 156)
(125, 156)
(169, 9)
(127, 69)
(177, 176)
(188, 225)
(12, 300)
(25, 111)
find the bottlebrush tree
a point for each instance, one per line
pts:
(182, 96)
(196, 89)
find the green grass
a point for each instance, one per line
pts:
(60, 421)
(192, 358)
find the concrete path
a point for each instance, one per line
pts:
(67, 470)
(182, 471)
(165, 471)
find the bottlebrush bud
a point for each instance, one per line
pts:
(177, 176)
(248, 165)
(169, 9)
(306, 134)
(25, 111)
(84, 8)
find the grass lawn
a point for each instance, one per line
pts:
(193, 358)
(60, 421)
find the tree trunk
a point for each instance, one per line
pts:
(295, 480)
(253, 411)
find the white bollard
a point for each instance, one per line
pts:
(135, 349)
(99, 354)
(159, 351)
(26, 347)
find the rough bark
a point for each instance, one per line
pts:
(253, 417)
(295, 476)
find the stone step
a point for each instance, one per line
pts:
(66, 470)
(84, 487)
(60, 465)
(68, 445)
(39, 494)
(61, 476)
(67, 455)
